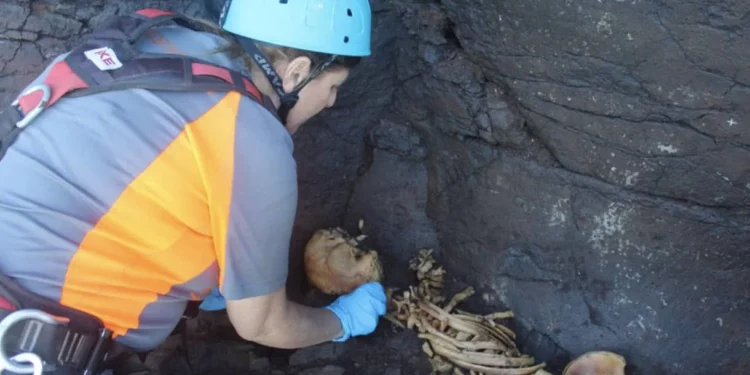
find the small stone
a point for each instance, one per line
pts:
(53, 24)
(8, 50)
(103, 15)
(398, 139)
(332, 370)
(328, 351)
(328, 370)
(260, 364)
(51, 47)
(13, 16)
(501, 118)
(27, 60)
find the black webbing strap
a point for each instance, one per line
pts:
(8, 129)
(79, 320)
(154, 71)
(57, 345)
(288, 100)
(79, 343)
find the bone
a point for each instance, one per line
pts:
(335, 264)
(596, 363)
(463, 325)
(458, 298)
(462, 342)
(498, 371)
(395, 321)
(471, 345)
(480, 359)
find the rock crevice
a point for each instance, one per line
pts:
(585, 164)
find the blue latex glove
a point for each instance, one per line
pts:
(214, 301)
(360, 310)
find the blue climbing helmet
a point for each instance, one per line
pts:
(331, 27)
(335, 27)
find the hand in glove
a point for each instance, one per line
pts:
(214, 301)
(360, 310)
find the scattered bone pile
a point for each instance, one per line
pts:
(455, 340)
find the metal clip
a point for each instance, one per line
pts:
(46, 95)
(11, 364)
(37, 366)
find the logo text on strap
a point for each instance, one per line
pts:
(104, 58)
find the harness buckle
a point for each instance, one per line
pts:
(37, 366)
(46, 96)
(11, 364)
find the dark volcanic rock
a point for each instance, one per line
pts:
(327, 370)
(638, 94)
(647, 192)
(586, 164)
(324, 352)
(391, 197)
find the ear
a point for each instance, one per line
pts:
(296, 71)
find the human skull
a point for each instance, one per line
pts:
(597, 363)
(336, 265)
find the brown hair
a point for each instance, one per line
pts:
(274, 53)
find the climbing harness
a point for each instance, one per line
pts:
(108, 60)
(40, 336)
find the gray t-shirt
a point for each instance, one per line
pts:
(128, 204)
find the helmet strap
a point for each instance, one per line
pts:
(288, 100)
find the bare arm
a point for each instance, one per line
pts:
(274, 321)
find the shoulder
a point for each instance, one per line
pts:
(260, 139)
(179, 40)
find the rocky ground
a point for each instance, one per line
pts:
(586, 164)
(213, 349)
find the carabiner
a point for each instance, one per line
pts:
(35, 360)
(9, 363)
(46, 95)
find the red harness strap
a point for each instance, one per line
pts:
(6, 305)
(61, 80)
(223, 74)
(153, 13)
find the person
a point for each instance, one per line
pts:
(127, 204)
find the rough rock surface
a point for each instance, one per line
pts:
(586, 164)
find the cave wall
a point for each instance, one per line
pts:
(586, 164)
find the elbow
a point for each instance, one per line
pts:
(260, 319)
(257, 330)
(266, 338)
(265, 331)
(250, 325)
(252, 334)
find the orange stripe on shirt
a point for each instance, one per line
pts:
(145, 244)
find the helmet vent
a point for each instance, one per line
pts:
(349, 12)
(346, 39)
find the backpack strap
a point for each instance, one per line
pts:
(107, 60)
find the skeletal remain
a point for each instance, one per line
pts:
(455, 340)
(597, 363)
(336, 264)
(458, 298)
(468, 343)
